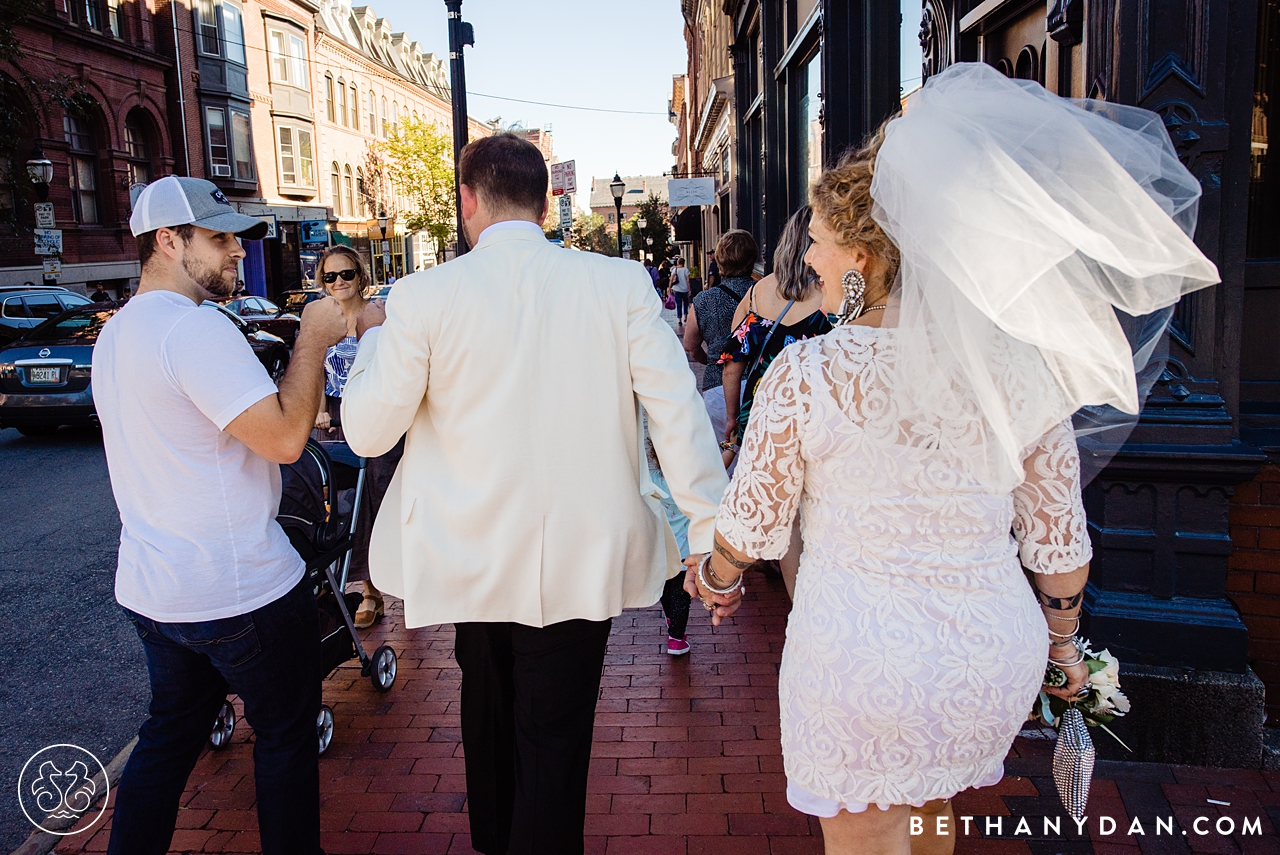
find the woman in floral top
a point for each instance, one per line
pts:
(760, 328)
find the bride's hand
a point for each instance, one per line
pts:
(1077, 679)
(724, 605)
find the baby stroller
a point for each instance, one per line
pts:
(319, 509)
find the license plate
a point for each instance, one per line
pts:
(42, 375)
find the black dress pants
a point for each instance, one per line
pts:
(528, 714)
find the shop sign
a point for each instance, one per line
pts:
(314, 231)
(270, 220)
(691, 191)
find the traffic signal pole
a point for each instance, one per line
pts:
(460, 35)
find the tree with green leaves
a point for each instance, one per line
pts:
(657, 225)
(419, 164)
(591, 235)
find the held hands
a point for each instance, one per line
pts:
(724, 604)
(373, 316)
(323, 320)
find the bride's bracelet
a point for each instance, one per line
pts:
(1079, 648)
(1071, 634)
(702, 579)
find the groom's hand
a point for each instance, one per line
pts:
(372, 316)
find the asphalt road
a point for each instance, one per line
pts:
(72, 666)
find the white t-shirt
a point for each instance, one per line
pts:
(682, 280)
(200, 539)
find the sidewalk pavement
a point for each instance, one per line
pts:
(686, 760)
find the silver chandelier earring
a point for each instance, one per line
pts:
(855, 292)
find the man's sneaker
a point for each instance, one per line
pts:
(677, 646)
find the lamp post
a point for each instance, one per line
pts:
(40, 171)
(460, 34)
(333, 227)
(382, 235)
(617, 188)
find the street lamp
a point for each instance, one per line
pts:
(333, 227)
(373, 258)
(617, 188)
(40, 171)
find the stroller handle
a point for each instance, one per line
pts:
(340, 452)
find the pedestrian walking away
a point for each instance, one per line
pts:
(680, 288)
(523, 511)
(193, 429)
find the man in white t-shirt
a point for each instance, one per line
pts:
(194, 430)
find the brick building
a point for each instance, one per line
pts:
(367, 80)
(89, 90)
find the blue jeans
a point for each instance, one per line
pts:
(270, 657)
(682, 304)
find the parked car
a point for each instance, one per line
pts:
(270, 349)
(296, 301)
(25, 308)
(267, 315)
(45, 375)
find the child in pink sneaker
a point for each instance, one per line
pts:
(675, 599)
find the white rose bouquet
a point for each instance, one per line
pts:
(1103, 703)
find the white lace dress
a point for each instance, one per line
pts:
(915, 646)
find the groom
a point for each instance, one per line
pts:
(522, 511)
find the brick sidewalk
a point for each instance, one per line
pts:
(686, 760)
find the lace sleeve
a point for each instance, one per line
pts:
(1049, 520)
(757, 510)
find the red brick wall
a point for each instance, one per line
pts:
(1253, 580)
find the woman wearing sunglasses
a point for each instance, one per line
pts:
(343, 274)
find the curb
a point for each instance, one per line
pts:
(42, 842)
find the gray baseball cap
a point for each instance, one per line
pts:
(179, 201)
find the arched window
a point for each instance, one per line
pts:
(138, 136)
(82, 164)
(395, 117)
(384, 117)
(329, 107)
(355, 108)
(335, 186)
(342, 102)
(348, 192)
(373, 114)
(360, 191)
(415, 117)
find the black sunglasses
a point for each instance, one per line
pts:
(331, 276)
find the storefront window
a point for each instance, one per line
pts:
(1263, 239)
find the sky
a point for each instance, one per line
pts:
(603, 54)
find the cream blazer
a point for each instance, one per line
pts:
(519, 372)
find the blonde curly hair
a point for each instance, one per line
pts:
(841, 198)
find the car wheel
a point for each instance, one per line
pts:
(37, 430)
(279, 363)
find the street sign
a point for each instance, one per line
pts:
(48, 241)
(386, 247)
(52, 269)
(566, 212)
(626, 254)
(626, 243)
(44, 215)
(564, 177)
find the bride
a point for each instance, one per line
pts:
(976, 251)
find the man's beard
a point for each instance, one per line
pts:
(212, 280)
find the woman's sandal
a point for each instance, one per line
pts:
(369, 613)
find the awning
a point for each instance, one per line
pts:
(689, 225)
(340, 239)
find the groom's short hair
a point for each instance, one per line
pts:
(505, 171)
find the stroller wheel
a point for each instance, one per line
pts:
(223, 726)
(324, 728)
(383, 670)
